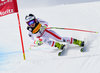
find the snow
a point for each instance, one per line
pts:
(44, 59)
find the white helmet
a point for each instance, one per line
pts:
(31, 19)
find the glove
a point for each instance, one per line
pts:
(30, 29)
(30, 35)
(38, 43)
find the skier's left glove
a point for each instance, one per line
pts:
(38, 43)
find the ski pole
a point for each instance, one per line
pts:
(73, 29)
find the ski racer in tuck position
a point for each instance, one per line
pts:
(37, 28)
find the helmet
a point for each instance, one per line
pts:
(33, 22)
(31, 19)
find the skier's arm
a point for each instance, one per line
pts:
(37, 42)
(31, 35)
(44, 23)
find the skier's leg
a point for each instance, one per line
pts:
(53, 35)
(73, 41)
(53, 43)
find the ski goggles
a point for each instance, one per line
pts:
(30, 22)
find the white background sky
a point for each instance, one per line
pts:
(38, 3)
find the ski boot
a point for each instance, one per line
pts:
(59, 46)
(78, 42)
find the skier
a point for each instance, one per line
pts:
(37, 28)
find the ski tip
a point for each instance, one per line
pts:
(97, 32)
(82, 49)
(59, 54)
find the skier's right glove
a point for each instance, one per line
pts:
(30, 29)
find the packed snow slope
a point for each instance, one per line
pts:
(44, 59)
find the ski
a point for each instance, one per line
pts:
(63, 52)
(82, 49)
